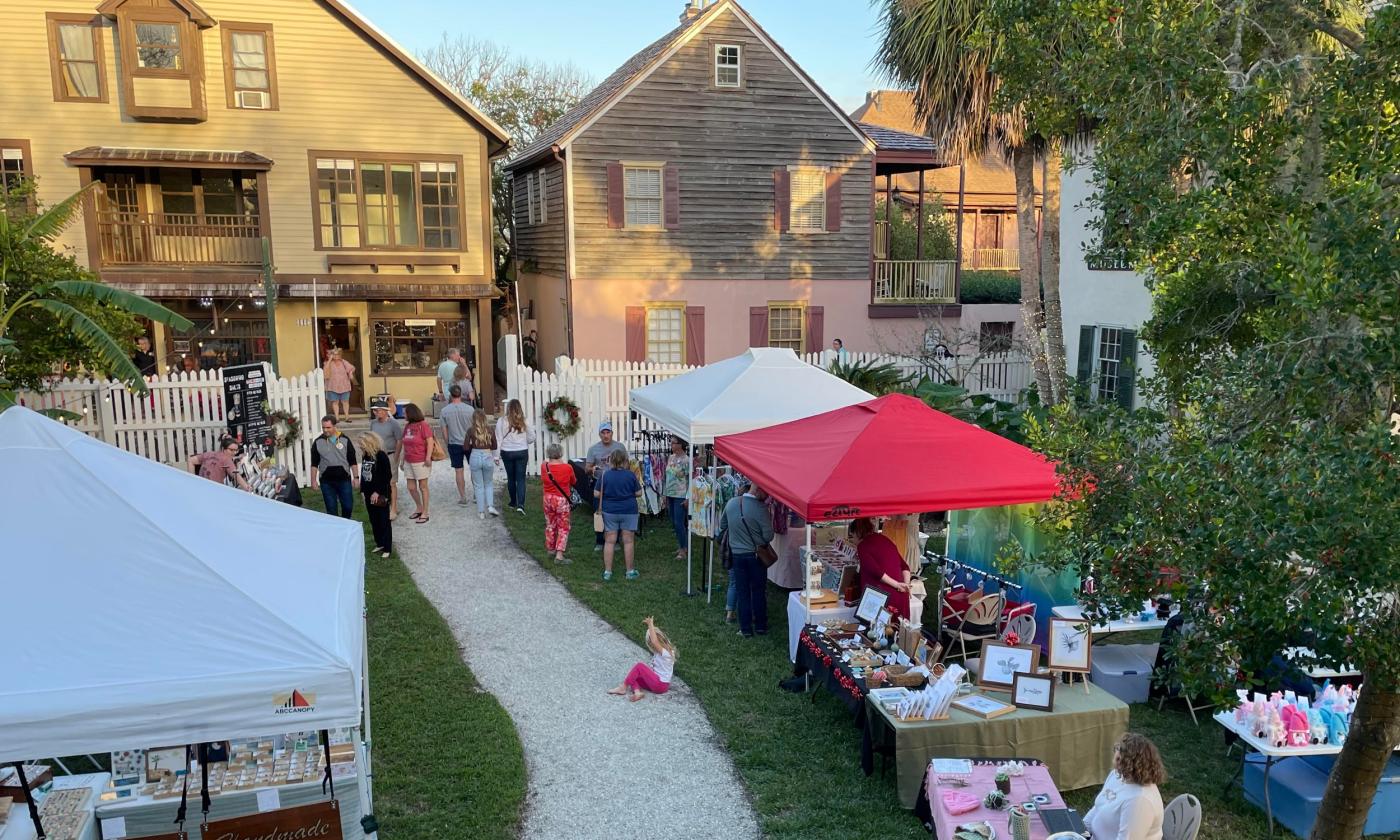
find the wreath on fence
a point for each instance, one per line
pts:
(569, 425)
(283, 426)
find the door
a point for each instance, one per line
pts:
(344, 334)
(119, 218)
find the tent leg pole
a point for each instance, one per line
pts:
(807, 576)
(366, 741)
(689, 542)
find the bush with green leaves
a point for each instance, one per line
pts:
(989, 287)
(938, 242)
(877, 378)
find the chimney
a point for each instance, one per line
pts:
(692, 9)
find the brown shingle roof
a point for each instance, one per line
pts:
(114, 154)
(604, 92)
(894, 140)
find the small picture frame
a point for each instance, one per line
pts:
(1002, 662)
(983, 706)
(1069, 645)
(871, 602)
(1033, 691)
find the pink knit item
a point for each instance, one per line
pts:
(959, 802)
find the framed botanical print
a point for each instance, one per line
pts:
(1002, 662)
(1034, 691)
(1069, 645)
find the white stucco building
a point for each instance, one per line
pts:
(1104, 306)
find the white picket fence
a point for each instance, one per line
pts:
(602, 388)
(181, 415)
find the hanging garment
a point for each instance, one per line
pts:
(702, 497)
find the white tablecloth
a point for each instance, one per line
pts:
(797, 613)
(1127, 624)
(21, 827)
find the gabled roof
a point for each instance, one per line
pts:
(189, 7)
(637, 68)
(431, 79)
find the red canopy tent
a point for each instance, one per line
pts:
(889, 456)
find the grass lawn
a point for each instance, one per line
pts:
(801, 760)
(447, 760)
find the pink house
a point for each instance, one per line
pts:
(707, 197)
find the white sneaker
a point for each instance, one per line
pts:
(493, 511)
(480, 515)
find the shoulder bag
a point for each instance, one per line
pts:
(435, 449)
(598, 512)
(765, 553)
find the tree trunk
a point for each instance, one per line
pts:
(1032, 312)
(1050, 275)
(1374, 733)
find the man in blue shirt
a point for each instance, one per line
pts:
(749, 525)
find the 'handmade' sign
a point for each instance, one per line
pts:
(319, 821)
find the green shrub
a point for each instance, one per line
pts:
(990, 287)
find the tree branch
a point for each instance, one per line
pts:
(1344, 35)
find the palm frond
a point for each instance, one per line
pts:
(110, 355)
(932, 48)
(53, 220)
(122, 299)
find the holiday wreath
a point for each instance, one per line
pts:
(283, 427)
(561, 428)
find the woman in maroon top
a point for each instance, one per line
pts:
(881, 566)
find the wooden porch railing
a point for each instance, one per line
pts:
(178, 238)
(992, 259)
(915, 281)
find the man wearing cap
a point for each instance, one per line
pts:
(596, 462)
(382, 423)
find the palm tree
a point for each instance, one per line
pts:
(936, 48)
(50, 298)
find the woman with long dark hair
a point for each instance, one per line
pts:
(513, 437)
(415, 456)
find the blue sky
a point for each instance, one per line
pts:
(833, 40)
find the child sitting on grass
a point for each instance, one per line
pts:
(655, 678)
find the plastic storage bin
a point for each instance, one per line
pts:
(1125, 671)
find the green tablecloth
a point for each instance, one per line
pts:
(1075, 740)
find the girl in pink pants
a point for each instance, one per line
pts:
(656, 677)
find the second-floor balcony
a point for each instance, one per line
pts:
(139, 239)
(927, 282)
(992, 259)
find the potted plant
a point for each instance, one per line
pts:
(1003, 782)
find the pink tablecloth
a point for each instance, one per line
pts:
(1034, 781)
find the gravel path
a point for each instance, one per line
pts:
(599, 766)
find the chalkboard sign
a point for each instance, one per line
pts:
(245, 393)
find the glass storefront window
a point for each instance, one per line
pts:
(415, 345)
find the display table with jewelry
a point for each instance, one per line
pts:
(1074, 741)
(845, 661)
(981, 799)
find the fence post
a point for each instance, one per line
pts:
(511, 362)
(106, 416)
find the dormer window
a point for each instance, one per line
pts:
(728, 59)
(162, 57)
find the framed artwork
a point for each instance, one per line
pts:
(1001, 662)
(870, 605)
(1069, 645)
(983, 706)
(1033, 691)
(166, 761)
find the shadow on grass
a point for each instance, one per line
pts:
(448, 763)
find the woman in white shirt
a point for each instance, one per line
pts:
(1130, 807)
(513, 439)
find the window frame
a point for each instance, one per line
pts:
(26, 167)
(669, 306)
(541, 203)
(388, 159)
(227, 29)
(781, 305)
(1004, 342)
(54, 21)
(820, 172)
(201, 215)
(530, 198)
(659, 167)
(187, 45)
(737, 66)
(1097, 370)
(442, 340)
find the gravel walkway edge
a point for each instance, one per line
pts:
(598, 766)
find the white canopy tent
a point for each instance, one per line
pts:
(763, 387)
(156, 607)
